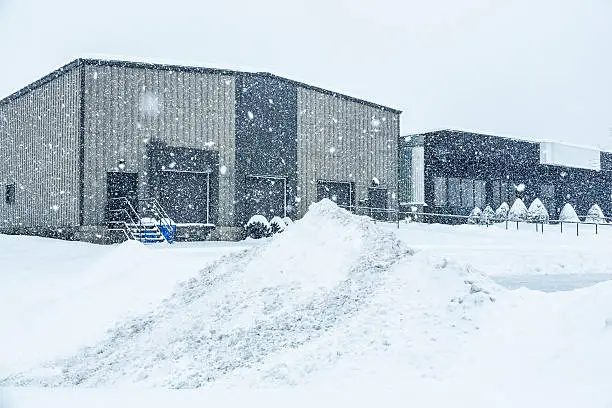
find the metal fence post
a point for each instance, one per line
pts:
(596, 225)
(542, 227)
(577, 229)
(537, 226)
(517, 225)
(506, 224)
(561, 226)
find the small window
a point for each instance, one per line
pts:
(9, 196)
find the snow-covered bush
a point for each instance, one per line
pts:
(488, 215)
(537, 212)
(568, 214)
(475, 215)
(258, 227)
(288, 221)
(277, 225)
(501, 214)
(595, 215)
(518, 211)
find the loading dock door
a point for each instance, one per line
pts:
(340, 192)
(267, 196)
(185, 196)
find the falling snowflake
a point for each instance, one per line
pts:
(375, 122)
(172, 165)
(270, 101)
(55, 207)
(332, 150)
(250, 115)
(520, 188)
(95, 75)
(149, 104)
(223, 169)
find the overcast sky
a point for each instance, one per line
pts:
(538, 69)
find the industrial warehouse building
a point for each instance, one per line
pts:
(210, 147)
(451, 172)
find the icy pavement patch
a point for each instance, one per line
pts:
(242, 308)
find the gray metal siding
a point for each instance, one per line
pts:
(343, 140)
(126, 107)
(39, 132)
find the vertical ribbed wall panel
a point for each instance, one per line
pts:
(126, 107)
(343, 140)
(39, 153)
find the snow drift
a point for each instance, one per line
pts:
(333, 286)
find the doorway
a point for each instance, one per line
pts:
(121, 185)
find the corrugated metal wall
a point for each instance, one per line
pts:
(128, 106)
(39, 153)
(342, 140)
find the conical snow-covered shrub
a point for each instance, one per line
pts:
(568, 214)
(537, 212)
(518, 211)
(475, 215)
(595, 215)
(488, 215)
(501, 214)
(288, 221)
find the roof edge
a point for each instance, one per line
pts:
(328, 92)
(42, 81)
(182, 68)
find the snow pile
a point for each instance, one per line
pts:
(537, 212)
(595, 214)
(240, 309)
(417, 321)
(568, 214)
(518, 211)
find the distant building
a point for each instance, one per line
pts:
(99, 144)
(451, 172)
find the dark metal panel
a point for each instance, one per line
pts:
(462, 155)
(606, 161)
(266, 137)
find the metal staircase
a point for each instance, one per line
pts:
(151, 225)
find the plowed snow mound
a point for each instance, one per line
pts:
(242, 308)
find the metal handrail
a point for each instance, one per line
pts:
(126, 229)
(129, 204)
(126, 213)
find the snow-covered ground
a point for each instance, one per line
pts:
(335, 310)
